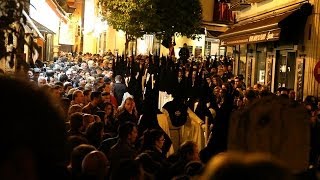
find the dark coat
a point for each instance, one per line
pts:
(90, 109)
(119, 90)
(125, 116)
(120, 151)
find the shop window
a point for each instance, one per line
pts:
(300, 81)
(260, 66)
(198, 52)
(105, 42)
(156, 45)
(207, 50)
(190, 50)
(285, 69)
(222, 51)
(242, 60)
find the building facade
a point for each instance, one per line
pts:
(213, 25)
(274, 43)
(54, 25)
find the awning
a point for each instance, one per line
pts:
(213, 34)
(33, 26)
(214, 26)
(42, 28)
(271, 28)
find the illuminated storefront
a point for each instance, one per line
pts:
(49, 18)
(267, 45)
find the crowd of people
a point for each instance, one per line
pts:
(90, 116)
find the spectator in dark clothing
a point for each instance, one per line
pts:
(95, 166)
(119, 89)
(93, 106)
(219, 133)
(149, 120)
(124, 149)
(77, 156)
(76, 123)
(153, 141)
(32, 146)
(184, 54)
(233, 165)
(127, 112)
(109, 119)
(74, 141)
(187, 152)
(94, 133)
(107, 144)
(130, 169)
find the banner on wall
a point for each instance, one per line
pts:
(316, 72)
(67, 34)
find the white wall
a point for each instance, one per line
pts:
(42, 12)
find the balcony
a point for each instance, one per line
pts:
(223, 13)
(238, 5)
(254, 1)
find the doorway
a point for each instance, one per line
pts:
(285, 69)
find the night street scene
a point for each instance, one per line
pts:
(160, 89)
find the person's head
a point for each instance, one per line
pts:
(77, 156)
(238, 82)
(95, 165)
(95, 130)
(311, 103)
(87, 119)
(128, 132)
(232, 165)
(107, 87)
(74, 141)
(95, 97)
(42, 81)
(30, 74)
(74, 108)
(208, 80)
(128, 104)
(108, 109)
(292, 94)
(118, 78)
(32, 145)
(153, 139)
(220, 70)
(109, 73)
(216, 91)
(194, 168)
(148, 164)
(185, 45)
(257, 87)
(189, 151)
(194, 74)
(76, 121)
(106, 97)
(265, 114)
(284, 91)
(249, 96)
(78, 97)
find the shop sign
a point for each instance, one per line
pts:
(271, 35)
(316, 72)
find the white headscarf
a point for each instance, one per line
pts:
(126, 95)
